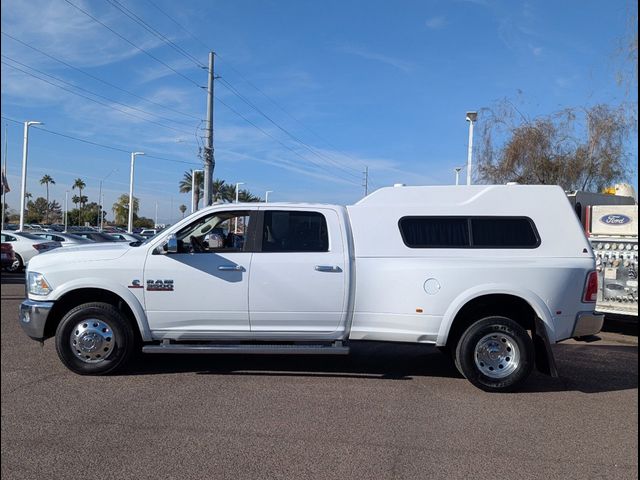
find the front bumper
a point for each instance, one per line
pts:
(587, 323)
(33, 318)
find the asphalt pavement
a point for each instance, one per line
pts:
(384, 412)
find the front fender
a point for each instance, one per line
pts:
(538, 305)
(100, 283)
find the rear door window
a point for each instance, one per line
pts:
(294, 231)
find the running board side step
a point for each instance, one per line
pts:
(251, 349)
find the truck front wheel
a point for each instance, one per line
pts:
(495, 354)
(94, 339)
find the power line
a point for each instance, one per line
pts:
(155, 32)
(93, 93)
(252, 85)
(276, 139)
(133, 44)
(347, 170)
(343, 167)
(289, 134)
(84, 72)
(94, 100)
(179, 25)
(101, 145)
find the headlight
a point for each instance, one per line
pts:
(37, 285)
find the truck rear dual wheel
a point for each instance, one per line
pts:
(495, 354)
(94, 339)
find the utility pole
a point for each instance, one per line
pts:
(209, 161)
(4, 176)
(365, 181)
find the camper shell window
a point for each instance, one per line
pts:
(469, 232)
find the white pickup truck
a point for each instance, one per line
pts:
(490, 274)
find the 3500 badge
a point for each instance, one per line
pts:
(160, 285)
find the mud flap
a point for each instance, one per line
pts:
(545, 361)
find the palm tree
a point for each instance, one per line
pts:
(185, 184)
(80, 185)
(46, 180)
(182, 208)
(247, 196)
(222, 192)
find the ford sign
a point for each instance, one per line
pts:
(615, 219)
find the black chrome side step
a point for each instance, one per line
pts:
(249, 349)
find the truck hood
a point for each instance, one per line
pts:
(81, 253)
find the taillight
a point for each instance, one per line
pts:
(591, 288)
(40, 246)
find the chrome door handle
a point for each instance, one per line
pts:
(230, 268)
(327, 268)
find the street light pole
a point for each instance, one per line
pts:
(66, 208)
(457, 169)
(266, 196)
(101, 199)
(237, 200)
(471, 118)
(194, 205)
(23, 189)
(133, 160)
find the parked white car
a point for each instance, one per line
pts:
(65, 239)
(26, 246)
(493, 275)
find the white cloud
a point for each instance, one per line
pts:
(435, 23)
(67, 33)
(395, 62)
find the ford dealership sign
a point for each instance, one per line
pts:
(615, 219)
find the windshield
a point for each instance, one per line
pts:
(30, 236)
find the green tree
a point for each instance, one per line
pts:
(91, 214)
(143, 222)
(46, 180)
(121, 209)
(182, 208)
(54, 212)
(36, 210)
(185, 184)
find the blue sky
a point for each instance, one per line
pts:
(360, 83)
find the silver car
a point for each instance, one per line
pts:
(127, 237)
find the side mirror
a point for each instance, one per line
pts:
(172, 243)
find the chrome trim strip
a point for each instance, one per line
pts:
(248, 349)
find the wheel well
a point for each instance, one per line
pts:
(85, 295)
(516, 308)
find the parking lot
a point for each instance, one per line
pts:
(384, 412)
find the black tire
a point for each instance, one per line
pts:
(120, 337)
(508, 342)
(17, 266)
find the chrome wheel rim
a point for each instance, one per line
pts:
(92, 340)
(497, 355)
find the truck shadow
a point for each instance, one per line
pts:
(586, 368)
